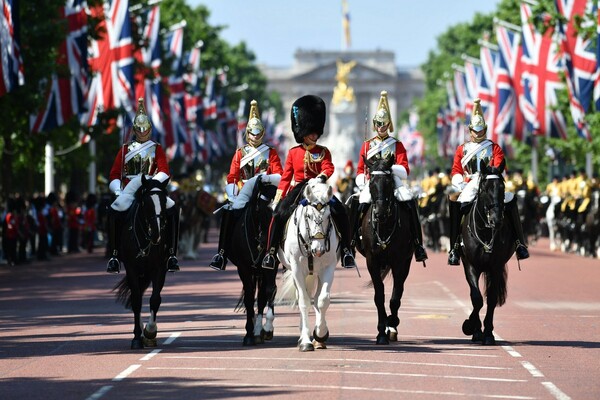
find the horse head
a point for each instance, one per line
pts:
(490, 196)
(149, 215)
(381, 186)
(317, 216)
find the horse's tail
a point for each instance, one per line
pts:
(286, 293)
(496, 280)
(123, 292)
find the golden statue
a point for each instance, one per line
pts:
(343, 92)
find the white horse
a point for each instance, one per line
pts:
(309, 251)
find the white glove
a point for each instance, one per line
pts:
(118, 192)
(232, 191)
(458, 182)
(115, 186)
(361, 181)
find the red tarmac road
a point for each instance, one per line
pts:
(63, 336)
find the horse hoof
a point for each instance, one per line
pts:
(320, 339)
(266, 335)
(150, 334)
(307, 347)
(477, 337)
(382, 339)
(259, 339)
(392, 334)
(249, 341)
(468, 328)
(319, 345)
(489, 340)
(137, 344)
(149, 342)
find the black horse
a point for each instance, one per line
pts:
(143, 252)
(387, 243)
(246, 250)
(487, 246)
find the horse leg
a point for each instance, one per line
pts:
(151, 329)
(322, 301)
(248, 284)
(472, 326)
(379, 299)
(136, 307)
(269, 289)
(488, 322)
(304, 341)
(400, 274)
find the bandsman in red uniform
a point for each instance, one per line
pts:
(250, 161)
(305, 161)
(465, 179)
(382, 146)
(141, 156)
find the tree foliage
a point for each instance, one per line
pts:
(463, 39)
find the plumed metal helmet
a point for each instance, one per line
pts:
(383, 115)
(477, 123)
(307, 116)
(141, 122)
(255, 129)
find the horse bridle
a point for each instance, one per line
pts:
(391, 212)
(319, 222)
(146, 228)
(487, 246)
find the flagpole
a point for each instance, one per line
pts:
(49, 168)
(92, 167)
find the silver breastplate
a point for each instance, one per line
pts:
(142, 162)
(385, 151)
(484, 155)
(259, 162)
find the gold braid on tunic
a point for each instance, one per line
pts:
(310, 162)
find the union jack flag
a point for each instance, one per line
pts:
(579, 58)
(540, 78)
(193, 105)
(509, 119)
(111, 59)
(148, 81)
(66, 95)
(487, 88)
(11, 65)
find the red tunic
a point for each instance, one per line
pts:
(297, 169)
(89, 220)
(12, 226)
(160, 164)
(234, 170)
(457, 168)
(401, 157)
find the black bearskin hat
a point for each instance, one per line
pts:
(307, 116)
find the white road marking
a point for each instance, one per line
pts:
(344, 360)
(362, 373)
(532, 369)
(150, 355)
(172, 338)
(556, 392)
(126, 373)
(100, 392)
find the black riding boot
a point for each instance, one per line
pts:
(219, 261)
(338, 212)
(114, 229)
(455, 216)
(513, 213)
(275, 233)
(420, 253)
(173, 238)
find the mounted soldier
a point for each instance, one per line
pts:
(468, 159)
(141, 156)
(383, 146)
(249, 161)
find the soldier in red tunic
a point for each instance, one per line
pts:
(382, 146)
(249, 161)
(140, 156)
(305, 161)
(465, 179)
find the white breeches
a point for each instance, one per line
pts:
(401, 192)
(125, 199)
(243, 197)
(469, 192)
